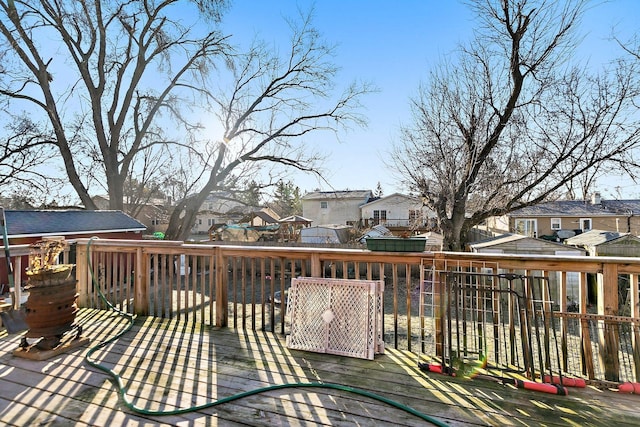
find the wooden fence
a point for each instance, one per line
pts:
(246, 287)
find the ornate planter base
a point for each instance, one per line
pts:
(50, 312)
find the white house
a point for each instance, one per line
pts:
(335, 207)
(396, 210)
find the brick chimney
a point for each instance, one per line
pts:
(595, 198)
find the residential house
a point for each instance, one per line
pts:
(335, 207)
(154, 213)
(565, 218)
(396, 211)
(220, 207)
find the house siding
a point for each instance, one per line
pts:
(397, 208)
(622, 224)
(342, 208)
(621, 216)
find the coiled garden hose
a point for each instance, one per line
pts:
(122, 390)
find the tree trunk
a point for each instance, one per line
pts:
(184, 216)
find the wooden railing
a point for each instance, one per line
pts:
(246, 286)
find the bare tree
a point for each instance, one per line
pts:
(23, 155)
(507, 123)
(106, 76)
(275, 101)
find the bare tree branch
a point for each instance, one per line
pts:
(273, 104)
(128, 63)
(508, 124)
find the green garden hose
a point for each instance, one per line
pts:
(129, 404)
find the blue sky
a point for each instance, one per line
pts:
(393, 45)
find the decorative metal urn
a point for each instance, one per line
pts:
(51, 308)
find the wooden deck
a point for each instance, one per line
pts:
(168, 365)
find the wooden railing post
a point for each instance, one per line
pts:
(141, 299)
(316, 270)
(608, 331)
(82, 276)
(222, 297)
(438, 300)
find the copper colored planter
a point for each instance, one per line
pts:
(51, 311)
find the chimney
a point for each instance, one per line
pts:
(595, 198)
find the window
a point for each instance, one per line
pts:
(556, 223)
(379, 216)
(585, 224)
(323, 205)
(414, 215)
(527, 227)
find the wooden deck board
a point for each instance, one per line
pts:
(167, 364)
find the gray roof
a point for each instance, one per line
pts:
(579, 208)
(509, 237)
(496, 240)
(383, 198)
(594, 238)
(295, 219)
(37, 223)
(347, 194)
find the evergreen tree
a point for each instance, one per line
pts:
(287, 199)
(378, 192)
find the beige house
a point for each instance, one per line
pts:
(335, 207)
(565, 218)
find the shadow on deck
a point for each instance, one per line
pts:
(166, 365)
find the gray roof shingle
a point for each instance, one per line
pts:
(28, 223)
(580, 208)
(594, 238)
(346, 194)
